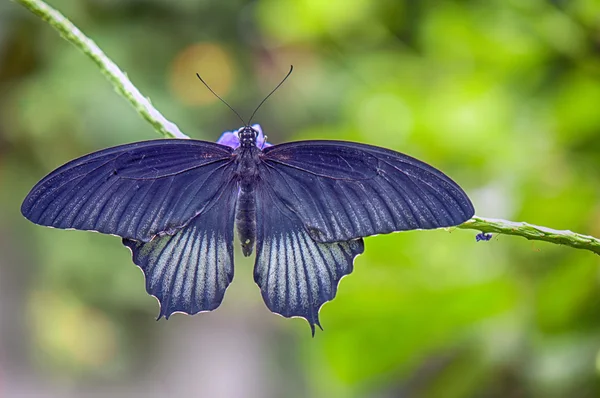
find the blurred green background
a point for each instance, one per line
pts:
(502, 95)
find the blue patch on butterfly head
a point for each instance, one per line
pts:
(483, 236)
(232, 138)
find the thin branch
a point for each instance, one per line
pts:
(168, 129)
(118, 79)
(533, 232)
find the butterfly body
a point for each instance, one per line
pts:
(304, 207)
(247, 158)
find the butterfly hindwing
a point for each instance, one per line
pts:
(135, 191)
(190, 270)
(295, 273)
(344, 190)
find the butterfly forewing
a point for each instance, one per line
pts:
(135, 191)
(343, 190)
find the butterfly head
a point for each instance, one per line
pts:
(247, 136)
(233, 138)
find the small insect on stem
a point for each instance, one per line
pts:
(483, 236)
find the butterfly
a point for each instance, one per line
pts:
(303, 206)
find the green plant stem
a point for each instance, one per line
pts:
(533, 232)
(168, 129)
(116, 77)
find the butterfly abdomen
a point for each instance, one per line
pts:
(245, 215)
(245, 219)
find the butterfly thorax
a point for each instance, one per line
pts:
(247, 175)
(248, 137)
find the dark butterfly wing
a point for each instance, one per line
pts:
(190, 271)
(135, 191)
(344, 190)
(295, 273)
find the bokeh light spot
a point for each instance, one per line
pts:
(79, 336)
(212, 62)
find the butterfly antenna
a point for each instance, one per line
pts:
(267, 97)
(222, 100)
